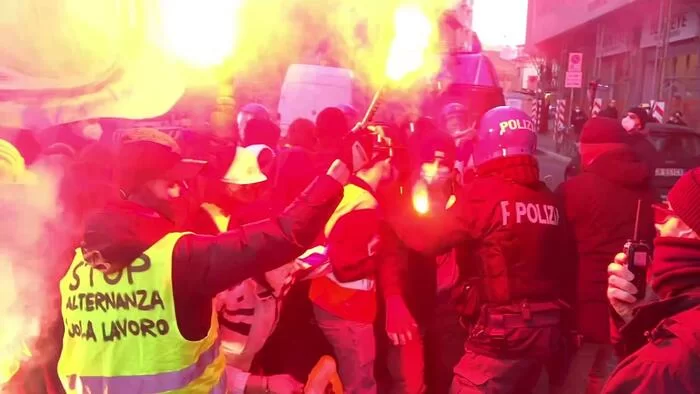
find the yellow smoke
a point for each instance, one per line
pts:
(256, 40)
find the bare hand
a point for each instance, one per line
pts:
(401, 327)
(284, 384)
(622, 294)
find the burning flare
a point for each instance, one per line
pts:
(413, 32)
(201, 33)
(421, 201)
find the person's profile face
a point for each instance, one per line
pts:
(170, 199)
(243, 193)
(635, 118)
(668, 224)
(454, 125)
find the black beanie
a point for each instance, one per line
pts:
(642, 114)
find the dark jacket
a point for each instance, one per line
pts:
(644, 149)
(204, 265)
(519, 255)
(609, 112)
(600, 206)
(406, 273)
(294, 171)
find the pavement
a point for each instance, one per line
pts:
(545, 145)
(552, 164)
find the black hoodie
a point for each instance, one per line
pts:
(600, 205)
(203, 266)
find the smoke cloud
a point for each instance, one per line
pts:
(28, 284)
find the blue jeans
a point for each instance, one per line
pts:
(355, 350)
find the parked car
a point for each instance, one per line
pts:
(678, 150)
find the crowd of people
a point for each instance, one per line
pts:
(426, 257)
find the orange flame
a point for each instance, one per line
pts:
(420, 199)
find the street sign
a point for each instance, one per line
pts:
(574, 79)
(575, 62)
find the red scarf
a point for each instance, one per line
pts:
(676, 266)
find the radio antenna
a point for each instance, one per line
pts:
(636, 220)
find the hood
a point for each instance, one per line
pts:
(621, 167)
(123, 231)
(521, 169)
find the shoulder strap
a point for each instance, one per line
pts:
(355, 180)
(686, 327)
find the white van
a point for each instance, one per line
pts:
(308, 89)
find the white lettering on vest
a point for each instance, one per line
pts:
(504, 212)
(531, 212)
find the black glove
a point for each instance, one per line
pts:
(356, 149)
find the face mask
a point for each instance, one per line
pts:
(92, 131)
(628, 123)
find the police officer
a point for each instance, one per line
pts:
(511, 227)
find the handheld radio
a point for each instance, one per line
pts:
(638, 257)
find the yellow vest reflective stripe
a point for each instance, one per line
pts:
(156, 383)
(121, 333)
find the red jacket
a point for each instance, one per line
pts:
(349, 233)
(670, 361)
(600, 206)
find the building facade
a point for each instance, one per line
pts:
(638, 50)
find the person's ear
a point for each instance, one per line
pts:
(95, 259)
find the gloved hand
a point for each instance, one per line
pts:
(356, 149)
(400, 325)
(622, 294)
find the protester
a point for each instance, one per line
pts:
(600, 225)
(635, 124)
(139, 236)
(331, 128)
(677, 119)
(659, 332)
(610, 111)
(249, 112)
(302, 134)
(408, 279)
(263, 132)
(345, 300)
(12, 166)
(578, 119)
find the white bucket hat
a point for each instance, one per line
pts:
(244, 170)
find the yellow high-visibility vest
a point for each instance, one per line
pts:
(121, 333)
